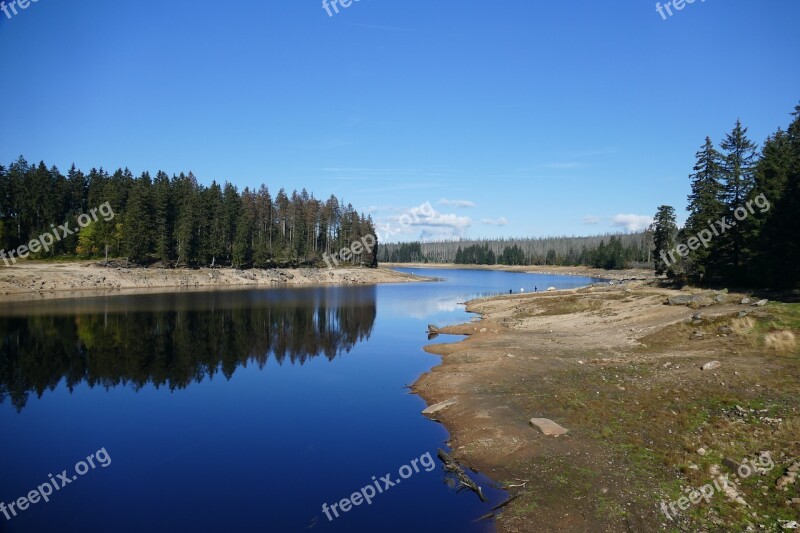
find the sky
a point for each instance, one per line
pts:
(440, 119)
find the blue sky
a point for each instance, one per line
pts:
(474, 119)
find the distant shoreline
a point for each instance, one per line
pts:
(37, 280)
(639, 274)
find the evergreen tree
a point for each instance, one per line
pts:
(164, 217)
(665, 231)
(705, 206)
(737, 183)
(138, 221)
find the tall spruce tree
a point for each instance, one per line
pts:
(665, 232)
(781, 253)
(705, 206)
(738, 181)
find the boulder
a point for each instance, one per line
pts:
(548, 427)
(761, 303)
(432, 329)
(441, 406)
(745, 301)
(683, 299)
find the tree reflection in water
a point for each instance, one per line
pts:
(174, 339)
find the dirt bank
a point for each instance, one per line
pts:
(627, 274)
(31, 280)
(622, 371)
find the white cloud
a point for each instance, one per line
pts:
(499, 222)
(631, 222)
(422, 222)
(591, 219)
(456, 203)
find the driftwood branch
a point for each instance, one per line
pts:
(452, 467)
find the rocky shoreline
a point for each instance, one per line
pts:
(33, 280)
(592, 405)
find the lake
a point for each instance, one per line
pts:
(237, 410)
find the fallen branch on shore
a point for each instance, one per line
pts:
(497, 507)
(452, 467)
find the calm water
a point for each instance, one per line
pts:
(233, 411)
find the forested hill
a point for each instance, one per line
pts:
(174, 221)
(612, 251)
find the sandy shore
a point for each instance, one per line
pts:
(621, 370)
(32, 280)
(618, 275)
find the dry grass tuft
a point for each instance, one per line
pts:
(782, 342)
(742, 326)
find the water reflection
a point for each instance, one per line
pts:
(173, 340)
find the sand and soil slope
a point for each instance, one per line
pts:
(38, 280)
(622, 372)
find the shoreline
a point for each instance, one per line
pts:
(622, 372)
(630, 274)
(36, 281)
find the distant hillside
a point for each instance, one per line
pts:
(610, 251)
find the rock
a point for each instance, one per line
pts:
(483, 330)
(742, 314)
(721, 298)
(432, 329)
(789, 478)
(713, 365)
(730, 464)
(701, 451)
(511, 355)
(697, 336)
(441, 406)
(725, 330)
(551, 289)
(745, 301)
(697, 316)
(548, 427)
(760, 303)
(683, 299)
(694, 300)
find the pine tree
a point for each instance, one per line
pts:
(705, 206)
(781, 253)
(138, 221)
(665, 231)
(164, 217)
(738, 181)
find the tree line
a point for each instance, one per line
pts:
(603, 251)
(743, 226)
(175, 221)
